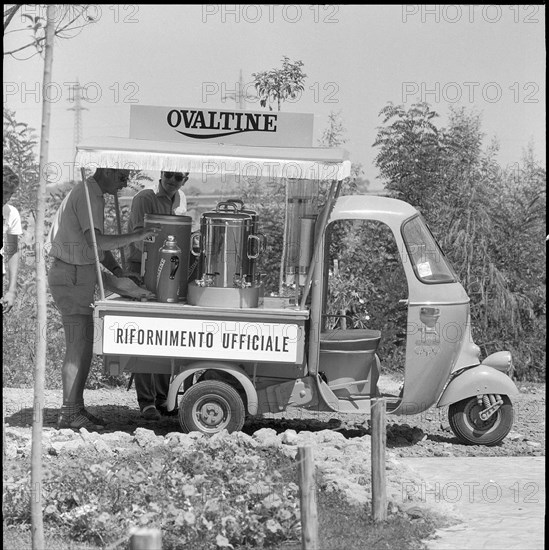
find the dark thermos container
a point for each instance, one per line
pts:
(180, 228)
(167, 278)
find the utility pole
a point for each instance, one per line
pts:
(76, 98)
(239, 96)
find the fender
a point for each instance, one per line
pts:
(476, 381)
(229, 368)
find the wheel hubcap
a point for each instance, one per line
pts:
(212, 413)
(472, 414)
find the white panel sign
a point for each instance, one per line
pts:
(259, 128)
(200, 338)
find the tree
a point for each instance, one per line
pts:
(41, 318)
(268, 198)
(278, 85)
(334, 136)
(477, 210)
(408, 159)
(19, 143)
(68, 20)
(59, 19)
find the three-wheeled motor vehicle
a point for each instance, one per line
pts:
(233, 349)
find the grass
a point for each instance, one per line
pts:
(342, 526)
(20, 539)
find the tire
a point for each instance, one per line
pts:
(470, 429)
(211, 406)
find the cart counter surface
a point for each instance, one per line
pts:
(272, 332)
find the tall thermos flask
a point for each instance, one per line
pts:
(168, 274)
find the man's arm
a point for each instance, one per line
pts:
(109, 261)
(11, 250)
(112, 242)
(141, 205)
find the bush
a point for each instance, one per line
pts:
(222, 492)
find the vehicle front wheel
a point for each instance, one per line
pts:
(211, 406)
(465, 421)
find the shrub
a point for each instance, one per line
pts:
(221, 492)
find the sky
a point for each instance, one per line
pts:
(486, 58)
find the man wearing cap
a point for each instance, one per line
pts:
(168, 199)
(72, 278)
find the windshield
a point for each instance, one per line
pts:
(428, 260)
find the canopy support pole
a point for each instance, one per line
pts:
(119, 227)
(92, 231)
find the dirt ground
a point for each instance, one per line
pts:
(425, 434)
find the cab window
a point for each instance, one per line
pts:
(428, 260)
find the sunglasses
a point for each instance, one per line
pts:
(177, 175)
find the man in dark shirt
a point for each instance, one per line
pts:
(168, 199)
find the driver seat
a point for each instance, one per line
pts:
(348, 361)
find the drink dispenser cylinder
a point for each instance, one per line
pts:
(180, 228)
(225, 237)
(256, 242)
(300, 202)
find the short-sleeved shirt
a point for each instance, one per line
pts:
(11, 225)
(149, 201)
(67, 234)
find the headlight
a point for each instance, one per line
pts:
(501, 361)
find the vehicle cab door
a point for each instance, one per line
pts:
(438, 317)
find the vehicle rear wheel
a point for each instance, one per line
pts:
(465, 421)
(211, 406)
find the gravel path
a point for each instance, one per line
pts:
(425, 434)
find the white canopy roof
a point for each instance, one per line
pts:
(215, 158)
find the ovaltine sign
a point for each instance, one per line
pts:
(262, 128)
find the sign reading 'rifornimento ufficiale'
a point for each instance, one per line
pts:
(200, 338)
(261, 128)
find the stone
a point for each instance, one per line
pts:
(267, 437)
(179, 439)
(222, 434)
(290, 437)
(329, 436)
(442, 453)
(117, 437)
(65, 434)
(17, 434)
(88, 436)
(10, 450)
(72, 446)
(100, 446)
(242, 437)
(147, 438)
(289, 451)
(415, 512)
(530, 443)
(514, 436)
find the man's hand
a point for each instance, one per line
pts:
(8, 301)
(135, 277)
(147, 232)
